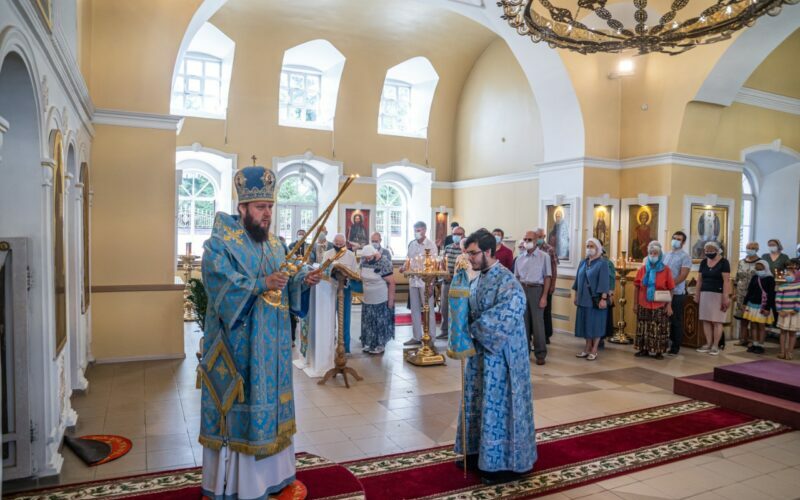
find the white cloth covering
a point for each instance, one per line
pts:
(322, 331)
(247, 477)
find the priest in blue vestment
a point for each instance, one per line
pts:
(247, 410)
(500, 435)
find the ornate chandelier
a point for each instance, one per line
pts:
(563, 28)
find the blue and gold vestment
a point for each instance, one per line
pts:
(257, 336)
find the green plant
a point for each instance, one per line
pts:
(199, 299)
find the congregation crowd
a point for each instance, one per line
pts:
(764, 291)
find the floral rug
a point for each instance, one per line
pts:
(570, 455)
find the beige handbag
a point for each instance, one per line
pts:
(662, 296)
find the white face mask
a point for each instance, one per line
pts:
(752, 252)
(591, 252)
(529, 245)
(418, 235)
(497, 239)
(773, 249)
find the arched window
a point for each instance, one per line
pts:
(297, 206)
(309, 86)
(391, 219)
(747, 227)
(407, 97)
(196, 208)
(203, 75)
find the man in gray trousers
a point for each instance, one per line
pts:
(533, 270)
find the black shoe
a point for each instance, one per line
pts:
(672, 353)
(472, 463)
(758, 349)
(642, 354)
(659, 356)
(499, 477)
(547, 340)
(752, 348)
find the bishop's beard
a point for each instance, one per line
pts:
(258, 233)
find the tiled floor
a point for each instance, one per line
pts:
(400, 407)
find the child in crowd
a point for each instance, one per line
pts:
(760, 300)
(788, 305)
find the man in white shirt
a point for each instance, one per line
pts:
(533, 270)
(349, 260)
(416, 286)
(679, 263)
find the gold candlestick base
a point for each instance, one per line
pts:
(426, 355)
(620, 337)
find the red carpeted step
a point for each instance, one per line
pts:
(774, 378)
(705, 388)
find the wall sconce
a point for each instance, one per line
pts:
(625, 67)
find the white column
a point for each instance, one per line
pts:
(3, 129)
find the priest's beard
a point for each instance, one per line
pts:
(254, 229)
(483, 266)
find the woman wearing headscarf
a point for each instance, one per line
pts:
(591, 296)
(653, 303)
(744, 272)
(713, 295)
(377, 309)
(776, 259)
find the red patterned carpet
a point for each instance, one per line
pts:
(570, 455)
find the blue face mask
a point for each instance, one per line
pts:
(540, 241)
(376, 246)
(497, 239)
(653, 258)
(790, 278)
(456, 238)
(751, 252)
(676, 244)
(764, 273)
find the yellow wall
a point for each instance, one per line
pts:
(723, 132)
(137, 325)
(779, 73)
(498, 128)
(514, 207)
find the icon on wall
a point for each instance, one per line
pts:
(357, 227)
(708, 224)
(559, 218)
(642, 229)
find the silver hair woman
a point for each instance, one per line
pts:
(653, 303)
(712, 295)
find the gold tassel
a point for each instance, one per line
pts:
(240, 390)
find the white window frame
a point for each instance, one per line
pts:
(184, 94)
(399, 244)
(306, 72)
(196, 249)
(385, 101)
(751, 197)
(296, 208)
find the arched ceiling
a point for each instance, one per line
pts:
(780, 71)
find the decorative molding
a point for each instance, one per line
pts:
(768, 100)
(169, 287)
(139, 120)
(64, 66)
(492, 180)
(130, 359)
(682, 159)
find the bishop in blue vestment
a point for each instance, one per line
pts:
(500, 435)
(247, 412)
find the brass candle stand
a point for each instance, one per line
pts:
(429, 269)
(187, 264)
(620, 337)
(341, 273)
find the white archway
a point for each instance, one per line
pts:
(323, 172)
(744, 55)
(560, 112)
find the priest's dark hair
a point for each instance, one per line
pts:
(484, 239)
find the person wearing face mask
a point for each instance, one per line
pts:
(787, 303)
(416, 289)
(591, 296)
(744, 273)
(377, 306)
(301, 250)
(760, 300)
(775, 257)
(532, 269)
(322, 246)
(712, 295)
(451, 253)
(652, 303)
(504, 254)
(500, 443)
(551, 252)
(376, 240)
(347, 259)
(448, 240)
(679, 263)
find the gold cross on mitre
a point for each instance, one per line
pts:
(254, 159)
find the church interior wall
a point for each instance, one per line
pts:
(498, 128)
(512, 206)
(133, 242)
(779, 192)
(779, 73)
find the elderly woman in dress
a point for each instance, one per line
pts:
(712, 295)
(653, 303)
(377, 309)
(592, 288)
(744, 272)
